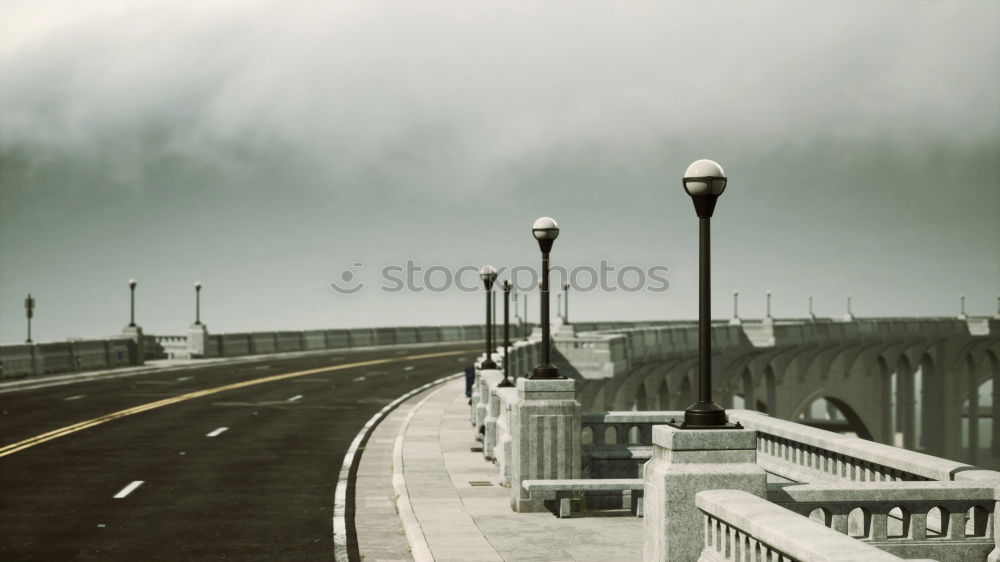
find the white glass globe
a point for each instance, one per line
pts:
(705, 169)
(545, 228)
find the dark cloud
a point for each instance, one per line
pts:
(261, 149)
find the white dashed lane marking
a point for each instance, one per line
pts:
(77, 397)
(359, 379)
(408, 368)
(124, 492)
(182, 379)
(217, 432)
(294, 398)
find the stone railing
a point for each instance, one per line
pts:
(803, 454)
(617, 444)
(947, 521)
(740, 526)
(167, 346)
(43, 358)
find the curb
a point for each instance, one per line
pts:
(344, 539)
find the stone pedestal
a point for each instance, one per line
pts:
(197, 335)
(545, 437)
(685, 462)
(485, 379)
(135, 334)
(508, 398)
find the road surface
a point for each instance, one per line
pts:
(223, 462)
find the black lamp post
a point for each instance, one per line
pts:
(29, 312)
(506, 336)
(524, 321)
(131, 287)
(566, 303)
(704, 181)
(488, 274)
(546, 230)
(197, 303)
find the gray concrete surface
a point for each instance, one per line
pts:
(463, 511)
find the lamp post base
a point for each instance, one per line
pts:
(488, 364)
(543, 372)
(505, 383)
(705, 415)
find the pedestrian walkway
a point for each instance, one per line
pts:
(451, 500)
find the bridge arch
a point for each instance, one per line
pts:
(855, 421)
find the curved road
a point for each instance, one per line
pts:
(236, 462)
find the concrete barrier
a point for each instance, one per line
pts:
(385, 336)
(452, 333)
(89, 354)
(233, 345)
(263, 342)
(313, 339)
(336, 339)
(289, 341)
(362, 337)
(406, 335)
(17, 360)
(429, 334)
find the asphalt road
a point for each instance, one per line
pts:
(260, 489)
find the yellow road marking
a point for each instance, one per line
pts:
(63, 431)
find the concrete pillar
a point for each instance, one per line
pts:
(973, 417)
(932, 409)
(995, 422)
(135, 334)
(906, 404)
(685, 462)
(545, 437)
(197, 335)
(492, 400)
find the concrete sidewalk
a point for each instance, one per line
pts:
(451, 505)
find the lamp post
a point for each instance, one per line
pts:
(769, 305)
(197, 303)
(545, 230)
(566, 303)
(850, 315)
(131, 287)
(488, 274)
(812, 316)
(704, 181)
(29, 312)
(506, 336)
(525, 319)
(961, 314)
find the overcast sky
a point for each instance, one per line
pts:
(263, 148)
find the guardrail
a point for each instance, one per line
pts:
(741, 526)
(947, 521)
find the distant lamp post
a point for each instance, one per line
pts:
(768, 305)
(704, 181)
(197, 303)
(488, 274)
(566, 303)
(131, 287)
(850, 314)
(506, 336)
(735, 320)
(961, 314)
(29, 312)
(559, 309)
(812, 315)
(997, 315)
(525, 319)
(545, 230)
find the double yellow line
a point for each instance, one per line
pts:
(63, 431)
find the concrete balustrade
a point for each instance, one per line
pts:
(738, 526)
(60, 357)
(946, 521)
(806, 454)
